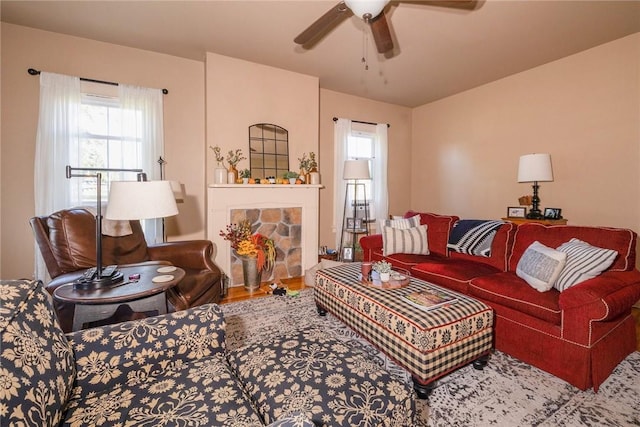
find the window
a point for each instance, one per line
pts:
(106, 139)
(360, 146)
(358, 140)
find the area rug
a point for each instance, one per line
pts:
(506, 393)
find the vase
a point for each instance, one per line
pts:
(314, 177)
(220, 175)
(252, 276)
(232, 175)
(384, 277)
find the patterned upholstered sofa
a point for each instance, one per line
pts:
(174, 370)
(579, 334)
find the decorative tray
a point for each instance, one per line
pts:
(399, 279)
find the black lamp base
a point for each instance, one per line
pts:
(92, 282)
(535, 215)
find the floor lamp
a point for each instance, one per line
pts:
(154, 199)
(535, 168)
(354, 170)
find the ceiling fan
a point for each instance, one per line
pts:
(371, 12)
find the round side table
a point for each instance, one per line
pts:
(148, 293)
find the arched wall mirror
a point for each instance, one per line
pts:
(269, 150)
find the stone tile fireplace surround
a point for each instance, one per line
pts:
(286, 213)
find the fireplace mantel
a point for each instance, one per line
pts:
(223, 198)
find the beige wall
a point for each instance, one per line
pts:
(24, 48)
(457, 155)
(336, 104)
(584, 110)
(241, 93)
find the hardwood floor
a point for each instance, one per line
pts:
(239, 293)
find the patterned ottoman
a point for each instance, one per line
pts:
(428, 344)
(310, 372)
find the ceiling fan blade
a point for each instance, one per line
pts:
(323, 24)
(381, 33)
(456, 4)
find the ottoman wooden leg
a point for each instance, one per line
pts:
(481, 362)
(423, 390)
(321, 310)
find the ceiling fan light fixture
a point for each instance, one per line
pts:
(362, 8)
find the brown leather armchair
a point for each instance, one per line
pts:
(67, 243)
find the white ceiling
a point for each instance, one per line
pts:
(439, 51)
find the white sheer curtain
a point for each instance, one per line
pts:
(380, 191)
(57, 130)
(342, 130)
(142, 121)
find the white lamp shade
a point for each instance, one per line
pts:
(356, 169)
(362, 7)
(535, 167)
(140, 200)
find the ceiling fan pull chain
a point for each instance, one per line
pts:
(365, 52)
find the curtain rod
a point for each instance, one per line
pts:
(335, 119)
(35, 72)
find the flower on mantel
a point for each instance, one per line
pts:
(234, 157)
(218, 154)
(244, 243)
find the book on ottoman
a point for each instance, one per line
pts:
(430, 299)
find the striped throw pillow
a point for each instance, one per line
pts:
(402, 223)
(584, 262)
(405, 241)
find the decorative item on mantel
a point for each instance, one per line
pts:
(245, 174)
(309, 166)
(220, 172)
(233, 158)
(291, 176)
(257, 252)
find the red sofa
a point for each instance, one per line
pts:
(579, 335)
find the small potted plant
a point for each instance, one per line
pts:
(245, 175)
(383, 268)
(291, 176)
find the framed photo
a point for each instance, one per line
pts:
(347, 254)
(516, 212)
(552, 213)
(354, 223)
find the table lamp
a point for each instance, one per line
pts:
(146, 199)
(535, 168)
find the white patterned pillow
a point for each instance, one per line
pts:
(405, 241)
(540, 266)
(584, 262)
(400, 222)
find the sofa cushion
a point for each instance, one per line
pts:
(201, 392)
(333, 383)
(37, 369)
(540, 266)
(584, 262)
(405, 241)
(439, 227)
(619, 239)
(510, 291)
(452, 273)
